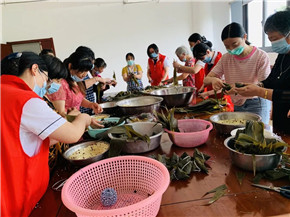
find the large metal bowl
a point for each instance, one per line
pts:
(175, 96)
(138, 105)
(245, 161)
(83, 162)
(139, 146)
(227, 128)
(109, 108)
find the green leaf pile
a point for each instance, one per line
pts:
(206, 106)
(251, 140)
(180, 167)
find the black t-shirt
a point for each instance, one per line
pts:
(279, 81)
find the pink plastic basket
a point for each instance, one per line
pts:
(193, 132)
(138, 181)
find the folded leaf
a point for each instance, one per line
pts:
(219, 188)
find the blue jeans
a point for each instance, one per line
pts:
(258, 106)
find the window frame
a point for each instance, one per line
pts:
(239, 13)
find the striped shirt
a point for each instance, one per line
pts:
(252, 68)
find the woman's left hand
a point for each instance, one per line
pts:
(96, 124)
(249, 90)
(97, 108)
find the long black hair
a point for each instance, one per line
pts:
(234, 30)
(55, 67)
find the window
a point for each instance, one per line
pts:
(253, 15)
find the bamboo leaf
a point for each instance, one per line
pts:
(254, 163)
(217, 195)
(116, 147)
(175, 81)
(257, 178)
(219, 188)
(240, 177)
(114, 76)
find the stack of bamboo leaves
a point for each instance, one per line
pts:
(251, 140)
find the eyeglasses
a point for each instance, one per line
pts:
(48, 79)
(14, 56)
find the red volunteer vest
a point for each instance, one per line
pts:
(157, 70)
(24, 179)
(199, 77)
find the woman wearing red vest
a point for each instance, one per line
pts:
(158, 66)
(28, 128)
(210, 57)
(197, 69)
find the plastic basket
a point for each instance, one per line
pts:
(193, 132)
(139, 182)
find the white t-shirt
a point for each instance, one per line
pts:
(38, 121)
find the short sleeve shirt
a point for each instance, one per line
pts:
(38, 121)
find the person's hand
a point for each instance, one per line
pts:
(84, 117)
(217, 84)
(96, 108)
(201, 89)
(203, 95)
(288, 115)
(250, 90)
(175, 64)
(150, 80)
(113, 83)
(168, 81)
(232, 91)
(96, 124)
(73, 111)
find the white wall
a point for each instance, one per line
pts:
(209, 19)
(112, 30)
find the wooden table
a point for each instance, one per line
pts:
(183, 198)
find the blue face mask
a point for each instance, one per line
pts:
(76, 78)
(130, 62)
(154, 55)
(237, 51)
(54, 87)
(191, 48)
(184, 60)
(40, 91)
(207, 59)
(281, 46)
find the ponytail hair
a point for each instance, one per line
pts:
(200, 50)
(55, 67)
(234, 30)
(197, 37)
